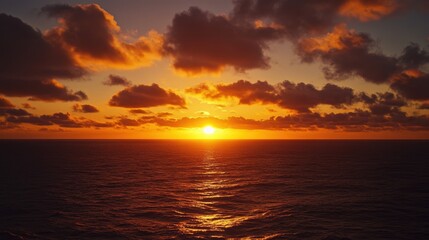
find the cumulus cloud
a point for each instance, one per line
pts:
(36, 63)
(93, 38)
(299, 97)
(382, 103)
(303, 96)
(412, 84)
(296, 19)
(146, 96)
(117, 80)
(348, 53)
(200, 42)
(84, 108)
(414, 57)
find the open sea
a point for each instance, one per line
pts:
(188, 189)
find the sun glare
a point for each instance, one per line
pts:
(209, 130)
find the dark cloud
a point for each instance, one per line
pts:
(296, 19)
(46, 90)
(303, 96)
(348, 53)
(299, 97)
(61, 119)
(4, 103)
(8, 109)
(84, 108)
(382, 103)
(92, 35)
(114, 80)
(345, 53)
(34, 57)
(139, 111)
(202, 42)
(247, 92)
(128, 122)
(36, 62)
(412, 84)
(146, 96)
(13, 112)
(414, 56)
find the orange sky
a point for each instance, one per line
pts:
(248, 69)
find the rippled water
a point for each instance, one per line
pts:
(214, 189)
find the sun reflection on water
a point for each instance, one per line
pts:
(212, 190)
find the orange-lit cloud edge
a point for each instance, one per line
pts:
(198, 43)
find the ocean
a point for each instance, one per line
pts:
(214, 189)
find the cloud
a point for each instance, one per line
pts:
(36, 63)
(117, 80)
(27, 106)
(368, 10)
(139, 96)
(348, 53)
(358, 120)
(139, 111)
(45, 90)
(4, 103)
(8, 109)
(299, 97)
(296, 19)
(424, 106)
(201, 42)
(84, 108)
(61, 119)
(127, 122)
(382, 103)
(414, 57)
(247, 92)
(94, 39)
(303, 96)
(13, 112)
(412, 84)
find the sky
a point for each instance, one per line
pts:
(250, 69)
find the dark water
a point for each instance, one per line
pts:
(214, 189)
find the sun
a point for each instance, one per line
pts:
(209, 130)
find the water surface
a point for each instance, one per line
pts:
(105, 189)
